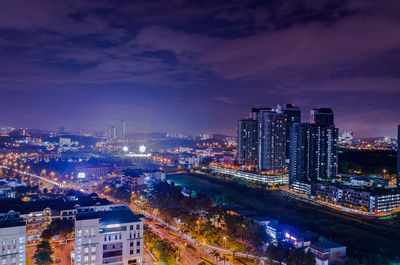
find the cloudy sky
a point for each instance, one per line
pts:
(197, 66)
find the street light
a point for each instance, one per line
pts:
(225, 240)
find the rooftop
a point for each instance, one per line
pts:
(11, 219)
(110, 217)
(325, 245)
(40, 205)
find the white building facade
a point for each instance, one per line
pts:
(12, 239)
(110, 234)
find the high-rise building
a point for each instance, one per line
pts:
(12, 238)
(110, 234)
(247, 142)
(123, 129)
(398, 156)
(61, 130)
(322, 116)
(112, 132)
(271, 140)
(313, 152)
(293, 114)
(255, 112)
(24, 131)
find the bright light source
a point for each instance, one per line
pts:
(81, 175)
(125, 148)
(142, 149)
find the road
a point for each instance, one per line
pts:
(189, 256)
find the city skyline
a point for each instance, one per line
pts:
(183, 66)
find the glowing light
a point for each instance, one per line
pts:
(125, 149)
(113, 226)
(142, 149)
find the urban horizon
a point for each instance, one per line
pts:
(160, 70)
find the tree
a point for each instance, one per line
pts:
(47, 234)
(215, 254)
(60, 227)
(224, 259)
(43, 253)
(351, 261)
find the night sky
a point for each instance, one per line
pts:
(197, 66)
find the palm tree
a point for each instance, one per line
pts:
(213, 253)
(180, 249)
(224, 259)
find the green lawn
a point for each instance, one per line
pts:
(362, 237)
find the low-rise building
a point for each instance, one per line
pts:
(268, 179)
(93, 171)
(328, 252)
(110, 234)
(135, 182)
(361, 200)
(12, 239)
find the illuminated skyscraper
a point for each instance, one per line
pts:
(313, 151)
(123, 129)
(112, 132)
(293, 114)
(322, 116)
(271, 140)
(247, 142)
(398, 156)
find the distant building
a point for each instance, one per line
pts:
(112, 132)
(345, 138)
(24, 131)
(247, 142)
(135, 182)
(156, 176)
(206, 136)
(293, 115)
(93, 171)
(123, 129)
(398, 156)
(12, 238)
(328, 252)
(61, 130)
(47, 156)
(110, 234)
(271, 141)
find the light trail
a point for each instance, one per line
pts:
(35, 176)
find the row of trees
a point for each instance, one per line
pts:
(164, 250)
(200, 218)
